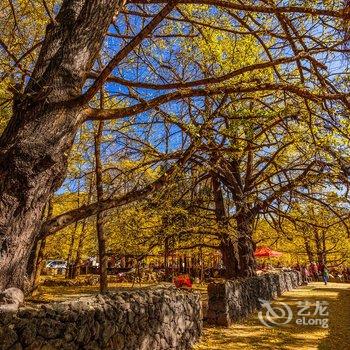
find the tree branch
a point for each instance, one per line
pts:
(254, 8)
(125, 51)
(108, 114)
(277, 194)
(206, 81)
(61, 221)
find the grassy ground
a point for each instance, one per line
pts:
(251, 334)
(64, 293)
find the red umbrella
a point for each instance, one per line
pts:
(266, 252)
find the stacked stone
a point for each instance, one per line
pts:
(138, 320)
(230, 301)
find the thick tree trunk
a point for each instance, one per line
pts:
(30, 171)
(101, 238)
(35, 145)
(246, 245)
(308, 249)
(229, 258)
(227, 247)
(319, 247)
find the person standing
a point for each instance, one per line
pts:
(325, 275)
(314, 271)
(305, 274)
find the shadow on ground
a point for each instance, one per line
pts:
(338, 337)
(252, 334)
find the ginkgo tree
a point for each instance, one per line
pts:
(53, 85)
(309, 232)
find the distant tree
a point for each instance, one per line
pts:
(53, 78)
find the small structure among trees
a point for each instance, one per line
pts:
(167, 126)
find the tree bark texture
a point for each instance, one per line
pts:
(227, 247)
(308, 250)
(246, 245)
(34, 147)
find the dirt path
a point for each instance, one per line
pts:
(252, 334)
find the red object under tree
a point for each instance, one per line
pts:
(266, 252)
(183, 281)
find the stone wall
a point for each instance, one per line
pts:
(137, 320)
(230, 301)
